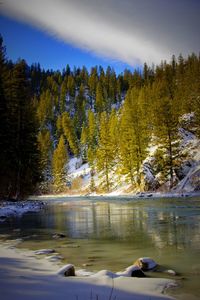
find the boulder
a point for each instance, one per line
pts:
(145, 263)
(55, 258)
(67, 270)
(44, 251)
(59, 236)
(135, 271)
(132, 271)
(170, 272)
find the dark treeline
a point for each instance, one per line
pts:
(109, 120)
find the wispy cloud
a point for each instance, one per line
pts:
(131, 31)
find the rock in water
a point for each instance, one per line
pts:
(44, 251)
(59, 236)
(135, 271)
(145, 263)
(67, 270)
(132, 271)
(170, 272)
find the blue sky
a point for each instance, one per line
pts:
(99, 32)
(34, 45)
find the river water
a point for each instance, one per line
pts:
(111, 233)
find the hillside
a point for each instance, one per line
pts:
(97, 131)
(187, 174)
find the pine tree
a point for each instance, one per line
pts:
(92, 138)
(166, 116)
(100, 104)
(59, 169)
(133, 137)
(114, 134)
(92, 82)
(80, 108)
(23, 169)
(69, 133)
(4, 124)
(45, 109)
(84, 143)
(45, 149)
(105, 156)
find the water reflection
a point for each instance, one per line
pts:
(157, 223)
(113, 233)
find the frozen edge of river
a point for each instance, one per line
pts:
(23, 276)
(17, 209)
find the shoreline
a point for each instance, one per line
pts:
(9, 209)
(23, 276)
(141, 195)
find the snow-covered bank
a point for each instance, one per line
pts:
(142, 195)
(17, 209)
(24, 277)
(153, 171)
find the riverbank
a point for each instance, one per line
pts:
(24, 277)
(9, 209)
(121, 195)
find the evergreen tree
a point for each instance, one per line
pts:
(92, 82)
(105, 156)
(59, 168)
(69, 133)
(4, 124)
(79, 117)
(23, 169)
(166, 115)
(92, 138)
(45, 109)
(84, 143)
(99, 101)
(133, 137)
(45, 148)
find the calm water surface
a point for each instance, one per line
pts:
(112, 233)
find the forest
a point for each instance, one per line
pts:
(109, 120)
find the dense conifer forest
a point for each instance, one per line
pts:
(109, 120)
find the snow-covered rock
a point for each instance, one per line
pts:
(17, 209)
(132, 271)
(44, 251)
(67, 270)
(146, 263)
(191, 182)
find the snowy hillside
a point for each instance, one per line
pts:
(186, 175)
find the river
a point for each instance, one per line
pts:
(111, 233)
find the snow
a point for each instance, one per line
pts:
(17, 209)
(191, 180)
(44, 251)
(128, 271)
(23, 277)
(146, 263)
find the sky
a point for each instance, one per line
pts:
(119, 33)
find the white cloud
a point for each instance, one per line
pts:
(130, 31)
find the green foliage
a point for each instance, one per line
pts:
(166, 114)
(133, 137)
(105, 155)
(59, 162)
(45, 148)
(45, 109)
(76, 107)
(69, 133)
(20, 156)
